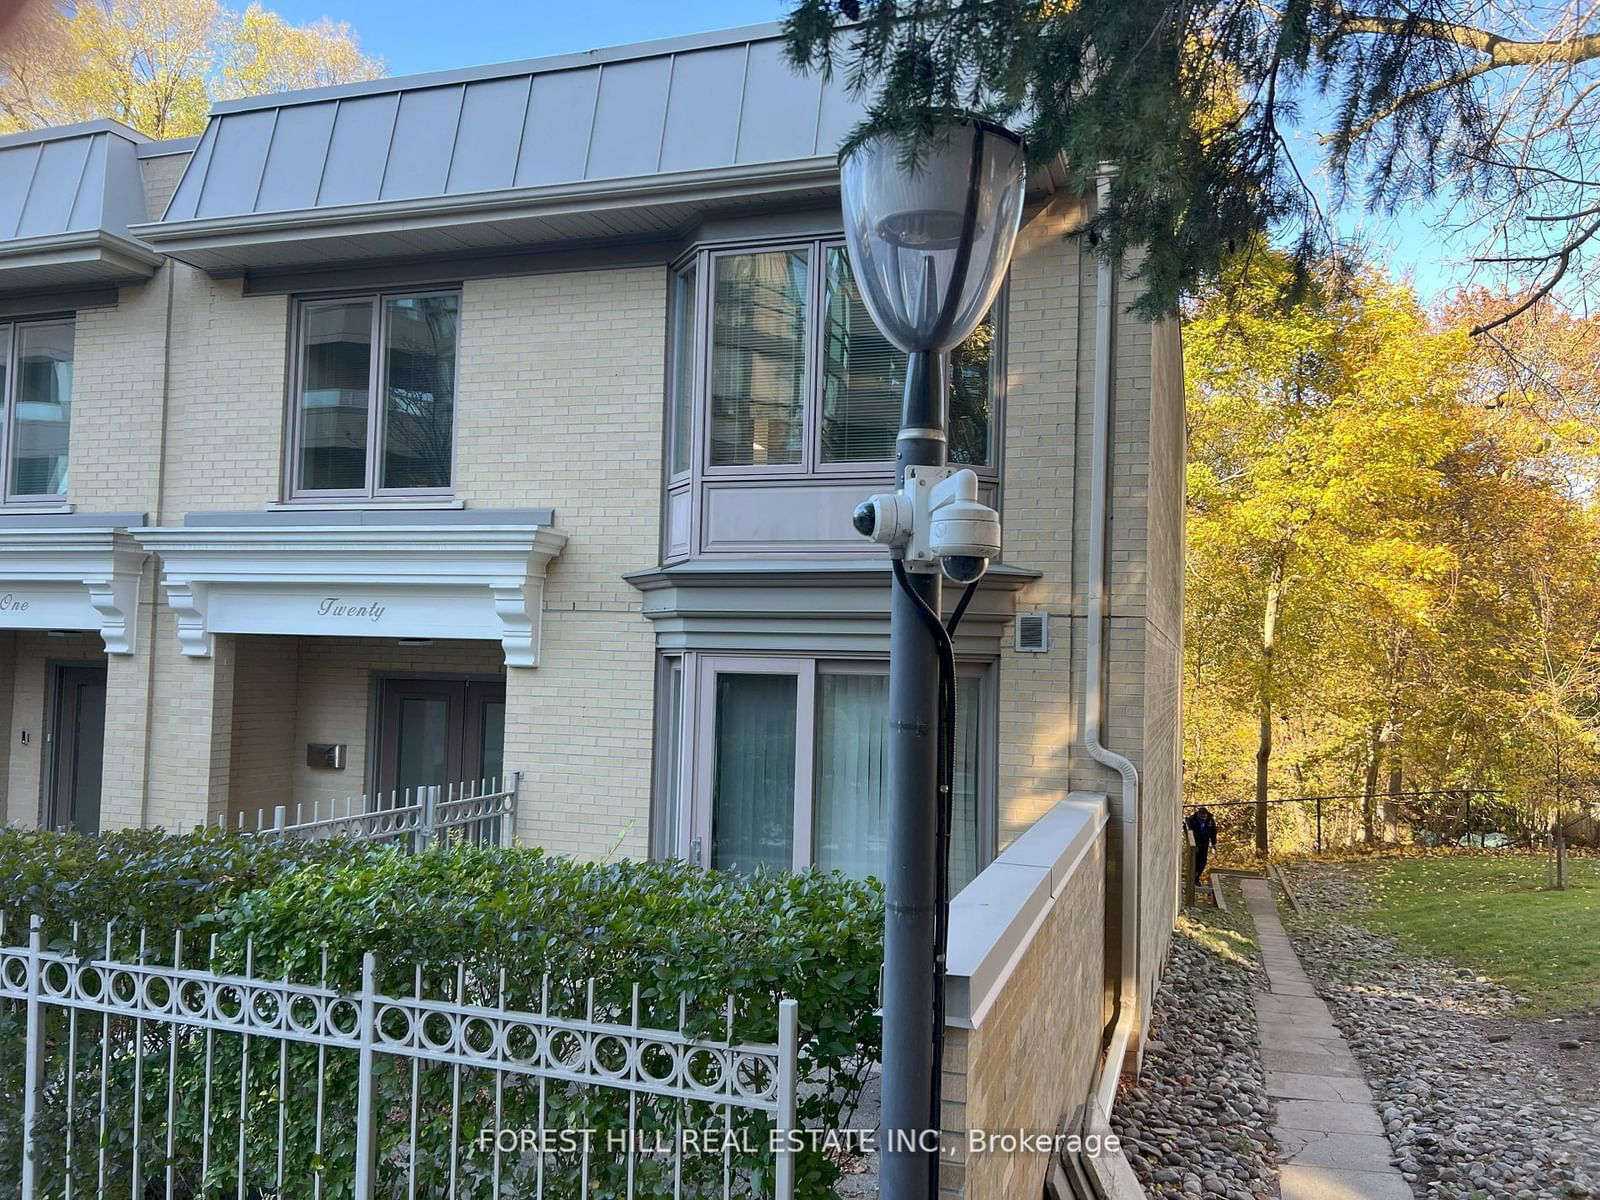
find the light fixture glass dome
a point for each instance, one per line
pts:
(930, 237)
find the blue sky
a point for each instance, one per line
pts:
(425, 35)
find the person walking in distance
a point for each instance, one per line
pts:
(1204, 827)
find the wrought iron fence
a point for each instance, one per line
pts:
(142, 1076)
(482, 812)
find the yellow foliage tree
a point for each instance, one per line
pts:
(157, 65)
(1392, 549)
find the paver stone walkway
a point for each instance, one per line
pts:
(1331, 1143)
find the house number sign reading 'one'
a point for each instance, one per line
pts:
(338, 608)
(11, 602)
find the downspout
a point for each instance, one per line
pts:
(171, 269)
(1126, 1014)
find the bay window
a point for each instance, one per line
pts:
(36, 386)
(778, 368)
(784, 765)
(374, 395)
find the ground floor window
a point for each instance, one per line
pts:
(783, 763)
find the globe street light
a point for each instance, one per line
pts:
(930, 231)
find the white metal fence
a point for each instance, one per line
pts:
(140, 1076)
(483, 812)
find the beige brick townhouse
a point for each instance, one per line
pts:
(511, 418)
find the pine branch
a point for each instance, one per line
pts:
(1501, 51)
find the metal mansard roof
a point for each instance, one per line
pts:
(634, 141)
(67, 199)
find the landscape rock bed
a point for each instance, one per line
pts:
(1196, 1124)
(1476, 1102)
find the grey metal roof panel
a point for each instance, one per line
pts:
(558, 128)
(67, 199)
(291, 176)
(635, 113)
(489, 135)
(703, 110)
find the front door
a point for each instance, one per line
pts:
(77, 748)
(440, 733)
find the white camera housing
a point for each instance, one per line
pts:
(936, 521)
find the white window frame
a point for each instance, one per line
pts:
(377, 379)
(10, 330)
(692, 761)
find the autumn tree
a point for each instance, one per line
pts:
(1314, 438)
(157, 65)
(1489, 109)
(1393, 546)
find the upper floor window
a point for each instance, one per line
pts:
(36, 384)
(795, 376)
(374, 391)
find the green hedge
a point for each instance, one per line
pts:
(459, 918)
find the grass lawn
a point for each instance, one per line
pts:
(1492, 914)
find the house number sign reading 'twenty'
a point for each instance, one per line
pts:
(338, 607)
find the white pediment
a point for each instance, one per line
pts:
(389, 581)
(84, 577)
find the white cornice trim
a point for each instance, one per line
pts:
(72, 579)
(441, 580)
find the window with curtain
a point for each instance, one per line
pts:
(852, 774)
(834, 717)
(753, 785)
(758, 352)
(36, 360)
(375, 401)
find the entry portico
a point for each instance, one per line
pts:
(480, 574)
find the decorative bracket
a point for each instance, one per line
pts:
(72, 577)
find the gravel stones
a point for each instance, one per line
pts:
(1471, 1113)
(1195, 1124)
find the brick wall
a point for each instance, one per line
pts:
(260, 769)
(226, 408)
(1046, 343)
(561, 383)
(161, 174)
(1031, 1059)
(119, 359)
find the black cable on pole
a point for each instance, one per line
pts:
(943, 637)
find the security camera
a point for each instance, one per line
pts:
(963, 568)
(935, 522)
(885, 518)
(963, 534)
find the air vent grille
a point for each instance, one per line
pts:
(1033, 632)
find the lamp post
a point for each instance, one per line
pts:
(929, 239)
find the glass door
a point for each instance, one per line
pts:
(747, 817)
(440, 733)
(77, 748)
